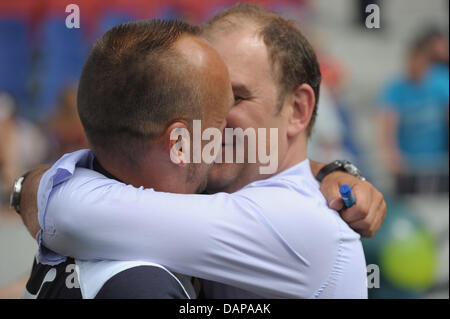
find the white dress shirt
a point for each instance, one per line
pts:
(275, 237)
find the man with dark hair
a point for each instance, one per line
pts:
(133, 84)
(274, 237)
(133, 92)
(139, 82)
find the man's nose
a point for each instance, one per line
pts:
(231, 120)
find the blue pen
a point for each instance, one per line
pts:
(347, 195)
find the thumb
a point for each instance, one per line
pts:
(336, 204)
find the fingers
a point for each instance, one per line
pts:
(336, 204)
(330, 188)
(361, 209)
(353, 214)
(369, 211)
(370, 223)
(380, 213)
(330, 191)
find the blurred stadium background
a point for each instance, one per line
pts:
(41, 60)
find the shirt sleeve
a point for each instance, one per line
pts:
(222, 237)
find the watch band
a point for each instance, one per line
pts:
(339, 165)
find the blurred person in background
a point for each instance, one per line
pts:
(436, 43)
(413, 122)
(65, 132)
(22, 145)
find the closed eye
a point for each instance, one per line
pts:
(241, 93)
(238, 99)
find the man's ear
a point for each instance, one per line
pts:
(177, 142)
(302, 105)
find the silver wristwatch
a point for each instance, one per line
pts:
(14, 200)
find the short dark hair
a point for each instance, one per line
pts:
(420, 43)
(293, 59)
(133, 85)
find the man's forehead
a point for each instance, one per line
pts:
(245, 55)
(239, 41)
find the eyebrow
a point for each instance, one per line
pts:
(241, 90)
